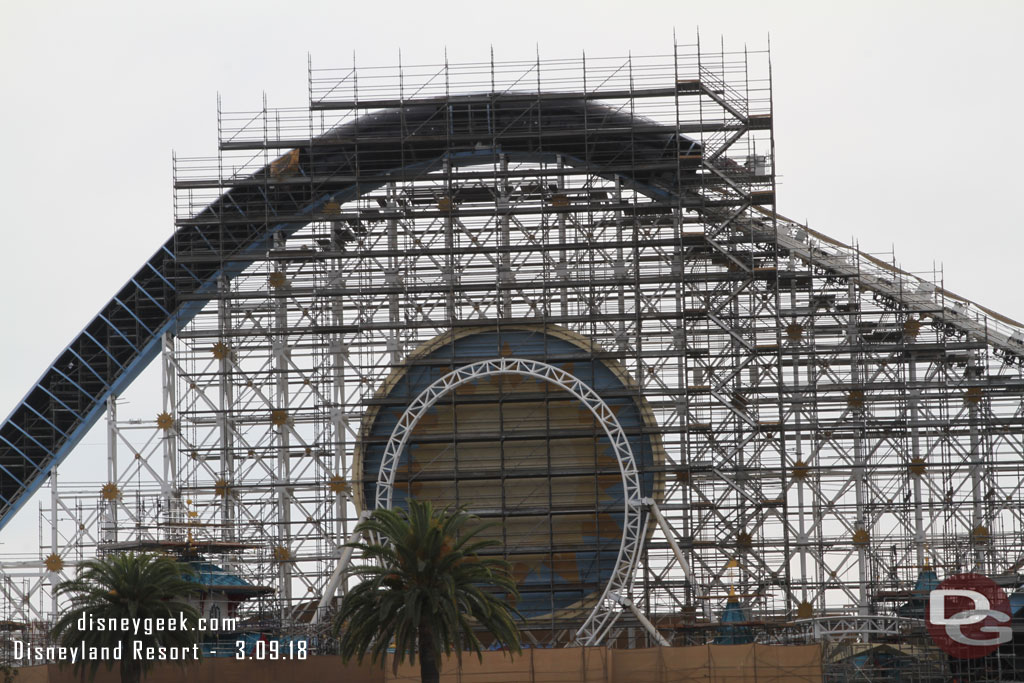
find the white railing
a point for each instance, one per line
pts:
(846, 627)
(915, 292)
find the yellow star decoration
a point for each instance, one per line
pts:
(53, 562)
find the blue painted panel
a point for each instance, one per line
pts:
(556, 577)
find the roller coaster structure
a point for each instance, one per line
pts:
(808, 426)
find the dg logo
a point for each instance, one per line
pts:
(968, 616)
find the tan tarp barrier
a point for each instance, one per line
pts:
(222, 670)
(717, 664)
(710, 663)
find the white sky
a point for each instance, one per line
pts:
(897, 123)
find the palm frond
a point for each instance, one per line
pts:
(125, 586)
(425, 570)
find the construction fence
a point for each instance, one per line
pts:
(712, 663)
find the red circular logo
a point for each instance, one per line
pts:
(968, 616)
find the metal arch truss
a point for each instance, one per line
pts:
(608, 607)
(840, 628)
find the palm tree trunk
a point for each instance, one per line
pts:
(429, 672)
(131, 670)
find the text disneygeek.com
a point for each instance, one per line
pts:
(130, 647)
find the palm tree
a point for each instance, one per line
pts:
(428, 590)
(127, 586)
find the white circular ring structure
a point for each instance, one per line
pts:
(607, 608)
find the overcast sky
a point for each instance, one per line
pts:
(897, 123)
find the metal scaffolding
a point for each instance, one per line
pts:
(593, 245)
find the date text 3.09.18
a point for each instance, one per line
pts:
(272, 649)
